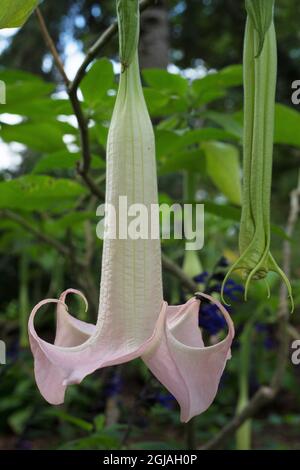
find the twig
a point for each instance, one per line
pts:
(51, 46)
(91, 184)
(82, 121)
(174, 269)
(97, 46)
(34, 231)
(265, 394)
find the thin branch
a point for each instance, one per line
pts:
(266, 394)
(262, 396)
(97, 46)
(176, 271)
(82, 121)
(50, 43)
(91, 184)
(35, 232)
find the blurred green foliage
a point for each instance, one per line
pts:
(198, 130)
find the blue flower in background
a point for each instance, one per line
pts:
(114, 385)
(166, 400)
(201, 278)
(267, 330)
(209, 316)
(231, 289)
(211, 319)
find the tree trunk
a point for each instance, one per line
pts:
(154, 40)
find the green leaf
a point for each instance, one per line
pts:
(72, 220)
(66, 417)
(166, 142)
(97, 82)
(40, 136)
(197, 136)
(165, 82)
(217, 82)
(222, 164)
(224, 211)
(11, 76)
(34, 109)
(287, 125)
(99, 133)
(19, 419)
(27, 91)
(35, 192)
(186, 160)
(14, 13)
(63, 160)
(227, 121)
(156, 101)
(170, 142)
(98, 441)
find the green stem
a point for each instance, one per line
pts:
(24, 299)
(243, 435)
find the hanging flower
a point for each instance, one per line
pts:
(133, 320)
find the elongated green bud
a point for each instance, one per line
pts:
(261, 15)
(129, 26)
(260, 74)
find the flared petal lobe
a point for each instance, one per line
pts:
(180, 361)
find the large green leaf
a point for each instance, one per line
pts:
(196, 136)
(14, 13)
(227, 121)
(36, 109)
(287, 125)
(63, 160)
(161, 104)
(191, 161)
(222, 164)
(225, 211)
(218, 81)
(39, 193)
(40, 136)
(98, 81)
(166, 82)
(156, 101)
(168, 142)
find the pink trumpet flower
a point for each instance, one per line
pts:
(133, 320)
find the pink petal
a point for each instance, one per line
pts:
(181, 362)
(79, 349)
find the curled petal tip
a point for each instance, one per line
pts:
(76, 292)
